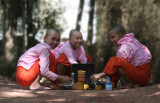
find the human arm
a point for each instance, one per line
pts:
(146, 51)
(82, 58)
(44, 68)
(64, 79)
(126, 52)
(96, 77)
(44, 64)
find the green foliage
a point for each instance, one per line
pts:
(49, 14)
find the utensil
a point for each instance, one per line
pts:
(66, 86)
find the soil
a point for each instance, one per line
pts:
(11, 92)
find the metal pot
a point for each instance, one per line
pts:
(66, 87)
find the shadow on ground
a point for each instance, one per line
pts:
(11, 92)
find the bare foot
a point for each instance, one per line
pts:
(37, 86)
(40, 88)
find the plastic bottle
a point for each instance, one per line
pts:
(108, 85)
(72, 77)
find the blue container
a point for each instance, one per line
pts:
(108, 84)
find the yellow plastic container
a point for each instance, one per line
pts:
(81, 76)
(98, 87)
(86, 86)
(80, 83)
(81, 72)
(79, 86)
(81, 79)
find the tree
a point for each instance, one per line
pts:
(142, 19)
(108, 14)
(79, 16)
(90, 26)
(22, 19)
(11, 13)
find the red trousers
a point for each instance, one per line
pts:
(140, 75)
(62, 59)
(26, 77)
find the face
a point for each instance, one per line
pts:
(76, 40)
(115, 37)
(53, 39)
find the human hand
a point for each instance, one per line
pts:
(96, 77)
(64, 79)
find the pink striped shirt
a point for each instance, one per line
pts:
(133, 51)
(54, 51)
(73, 55)
(40, 51)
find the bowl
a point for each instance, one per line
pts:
(65, 86)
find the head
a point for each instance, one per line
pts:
(52, 38)
(75, 38)
(117, 33)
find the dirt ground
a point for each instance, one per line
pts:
(11, 92)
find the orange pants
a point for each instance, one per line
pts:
(26, 77)
(62, 59)
(140, 75)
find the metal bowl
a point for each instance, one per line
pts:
(66, 87)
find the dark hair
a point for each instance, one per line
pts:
(118, 29)
(50, 30)
(72, 31)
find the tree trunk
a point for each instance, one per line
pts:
(25, 37)
(10, 32)
(90, 23)
(89, 46)
(4, 28)
(9, 47)
(109, 14)
(31, 34)
(9, 62)
(80, 10)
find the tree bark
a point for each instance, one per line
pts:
(29, 21)
(90, 22)
(25, 37)
(109, 14)
(89, 46)
(9, 61)
(80, 10)
(4, 28)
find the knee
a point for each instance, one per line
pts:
(121, 71)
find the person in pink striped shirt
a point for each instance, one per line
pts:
(38, 61)
(71, 52)
(132, 61)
